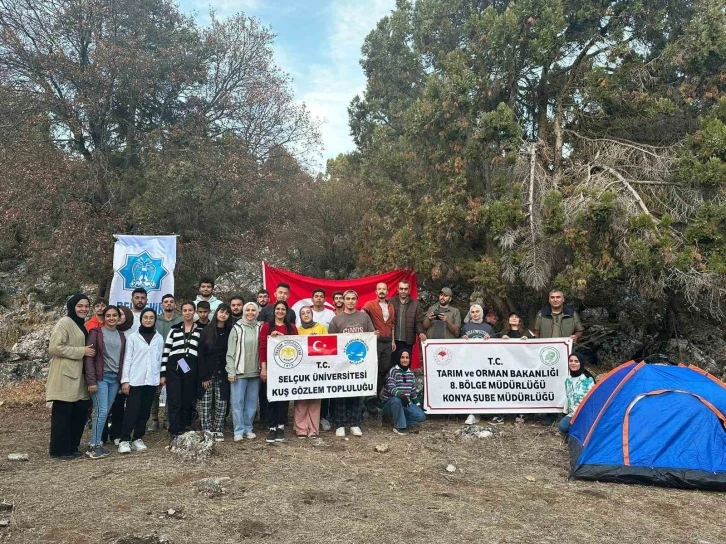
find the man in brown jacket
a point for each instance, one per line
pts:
(409, 321)
(383, 316)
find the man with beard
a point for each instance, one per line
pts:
(206, 290)
(263, 297)
(236, 303)
(338, 302)
(99, 308)
(383, 316)
(409, 321)
(139, 298)
(442, 321)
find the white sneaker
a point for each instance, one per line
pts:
(355, 431)
(219, 437)
(239, 437)
(138, 445)
(340, 431)
(325, 424)
(250, 436)
(124, 447)
(472, 419)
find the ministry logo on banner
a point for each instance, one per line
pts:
(145, 262)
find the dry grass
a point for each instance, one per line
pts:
(511, 487)
(27, 393)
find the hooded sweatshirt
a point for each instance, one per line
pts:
(214, 302)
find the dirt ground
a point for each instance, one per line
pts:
(509, 488)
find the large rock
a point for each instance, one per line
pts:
(27, 359)
(684, 351)
(193, 447)
(34, 345)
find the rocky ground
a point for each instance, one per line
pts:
(509, 486)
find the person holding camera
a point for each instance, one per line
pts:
(442, 321)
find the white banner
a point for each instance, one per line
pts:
(321, 366)
(495, 376)
(143, 261)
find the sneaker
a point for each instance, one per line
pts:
(124, 447)
(303, 436)
(340, 431)
(218, 437)
(401, 432)
(95, 453)
(355, 431)
(239, 437)
(138, 445)
(313, 436)
(116, 441)
(325, 424)
(153, 426)
(472, 419)
(250, 436)
(497, 420)
(271, 436)
(104, 451)
(280, 434)
(89, 451)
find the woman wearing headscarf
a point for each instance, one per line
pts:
(212, 373)
(243, 370)
(400, 398)
(307, 412)
(66, 385)
(139, 380)
(577, 385)
(476, 329)
(103, 375)
(116, 412)
(279, 323)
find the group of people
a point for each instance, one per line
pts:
(212, 358)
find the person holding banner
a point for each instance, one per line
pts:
(179, 367)
(279, 324)
(140, 378)
(514, 328)
(213, 374)
(307, 412)
(348, 409)
(476, 329)
(66, 385)
(400, 397)
(243, 371)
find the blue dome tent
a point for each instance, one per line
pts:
(652, 424)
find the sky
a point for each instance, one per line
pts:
(318, 43)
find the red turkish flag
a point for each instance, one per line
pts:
(322, 345)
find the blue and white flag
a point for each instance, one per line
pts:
(143, 261)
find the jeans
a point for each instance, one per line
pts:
(243, 399)
(102, 400)
(403, 416)
(564, 425)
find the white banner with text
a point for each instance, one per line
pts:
(495, 376)
(321, 366)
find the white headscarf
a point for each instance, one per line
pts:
(257, 311)
(481, 313)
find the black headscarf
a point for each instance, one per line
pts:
(410, 360)
(147, 332)
(71, 307)
(581, 370)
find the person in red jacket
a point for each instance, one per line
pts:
(279, 324)
(383, 316)
(103, 375)
(99, 310)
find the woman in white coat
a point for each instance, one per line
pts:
(140, 379)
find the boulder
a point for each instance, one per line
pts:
(34, 345)
(193, 447)
(684, 351)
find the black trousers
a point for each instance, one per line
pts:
(384, 362)
(116, 417)
(181, 390)
(67, 422)
(277, 413)
(263, 401)
(138, 410)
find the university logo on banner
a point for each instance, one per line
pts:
(322, 345)
(143, 262)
